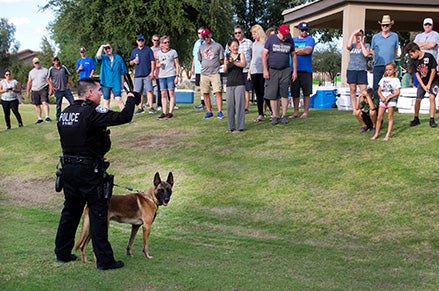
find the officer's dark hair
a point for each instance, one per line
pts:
(84, 84)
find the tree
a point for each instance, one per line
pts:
(7, 42)
(118, 22)
(327, 61)
(265, 13)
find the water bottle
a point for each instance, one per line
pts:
(137, 58)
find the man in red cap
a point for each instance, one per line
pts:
(211, 56)
(277, 71)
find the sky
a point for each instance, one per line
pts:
(30, 23)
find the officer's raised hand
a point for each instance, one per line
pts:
(136, 96)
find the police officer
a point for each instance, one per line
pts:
(84, 140)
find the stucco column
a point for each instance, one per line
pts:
(353, 18)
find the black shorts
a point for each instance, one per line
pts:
(40, 96)
(304, 81)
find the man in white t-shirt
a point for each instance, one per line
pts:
(39, 88)
(428, 41)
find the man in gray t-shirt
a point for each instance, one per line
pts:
(37, 89)
(428, 41)
(211, 57)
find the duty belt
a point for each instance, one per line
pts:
(66, 159)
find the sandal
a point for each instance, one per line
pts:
(294, 116)
(260, 118)
(304, 115)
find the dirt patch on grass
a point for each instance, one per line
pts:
(27, 191)
(154, 140)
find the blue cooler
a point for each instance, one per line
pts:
(184, 96)
(323, 99)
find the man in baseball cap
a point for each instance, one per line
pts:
(304, 48)
(428, 41)
(35, 60)
(303, 26)
(85, 66)
(284, 29)
(277, 71)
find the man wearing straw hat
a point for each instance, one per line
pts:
(384, 49)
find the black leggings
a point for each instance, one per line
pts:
(259, 87)
(7, 107)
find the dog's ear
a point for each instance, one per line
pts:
(170, 179)
(157, 179)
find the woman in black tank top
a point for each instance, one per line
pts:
(235, 88)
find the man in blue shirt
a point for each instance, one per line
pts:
(112, 71)
(142, 58)
(384, 49)
(85, 66)
(304, 47)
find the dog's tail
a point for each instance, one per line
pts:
(84, 238)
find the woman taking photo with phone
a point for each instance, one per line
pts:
(9, 90)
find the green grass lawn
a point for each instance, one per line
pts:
(307, 206)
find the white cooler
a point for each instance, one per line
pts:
(343, 98)
(407, 99)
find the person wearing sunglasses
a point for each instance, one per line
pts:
(155, 40)
(58, 78)
(37, 90)
(428, 41)
(9, 90)
(304, 47)
(142, 58)
(245, 47)
(111, 75)
(384, 49)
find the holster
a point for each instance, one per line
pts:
(108, 184)
(58, 180)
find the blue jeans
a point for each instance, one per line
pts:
(59, 95)
(378, 72)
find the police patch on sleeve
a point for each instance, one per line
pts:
(101, 109)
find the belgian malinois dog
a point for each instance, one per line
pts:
(139, 209)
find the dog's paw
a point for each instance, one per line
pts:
(147, 255)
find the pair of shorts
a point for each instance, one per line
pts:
(278, 83)
(106, 93)
(210, 80)
(304, 81)
(434, 89)
(167, 83)
(391, 103)
(40, 96)
(142, 84)
(356, 77)
(248, 83)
